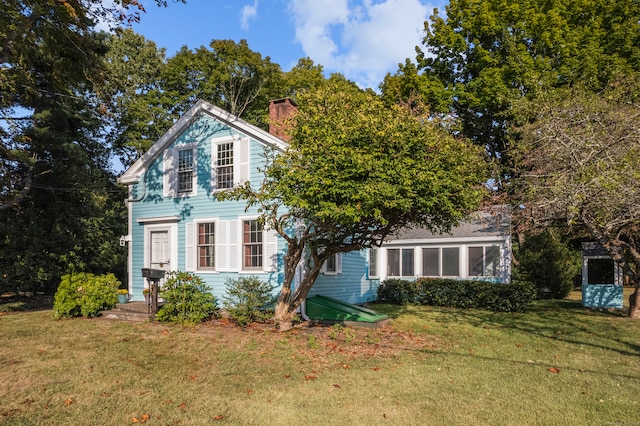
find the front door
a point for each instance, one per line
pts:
(160, 257)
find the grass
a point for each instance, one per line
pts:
(557, 364)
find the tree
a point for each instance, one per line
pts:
(485, 54)
(581, 162)
(60, 208)
(49, 53)
(355, 172)
(131, 93)
(229, 75)
(549, 263)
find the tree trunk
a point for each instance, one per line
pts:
(288, 301)
(634, 303)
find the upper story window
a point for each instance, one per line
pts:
(185, 170)
(252, 244)
(224, 165)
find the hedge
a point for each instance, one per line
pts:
(514, 297)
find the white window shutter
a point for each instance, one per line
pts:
(189, 246)
(242, 153)
(170, 172)
(222, 246)
(338, 263)
(233, 246)
(214, 166)
(270, 259)
(323, 268)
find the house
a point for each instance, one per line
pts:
(176, 222)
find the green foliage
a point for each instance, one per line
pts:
(514, 297)
(246, 300)
(482, 55)
(547, 262)
(397, 291)
(85, 294)
(187, 300)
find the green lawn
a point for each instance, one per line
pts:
(558, 364)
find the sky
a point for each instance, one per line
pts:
(361, 39)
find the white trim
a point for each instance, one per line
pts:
(172, 229)
(131, 175)
(158, 219)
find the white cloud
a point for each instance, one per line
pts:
(248, 13)
(362, 40)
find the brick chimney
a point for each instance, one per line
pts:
(281, 112)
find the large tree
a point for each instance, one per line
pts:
(581, 168)
(57, 196)
(356, 171)
(485, 53)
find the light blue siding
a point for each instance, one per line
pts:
(187, 209)
(352, 284)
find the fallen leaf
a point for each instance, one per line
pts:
(335, 385)
(376, 368)
(553, 370)
(218, 417)
(135, 420)
(68, 401)
(144, 418)
(182, 406)
(310, 377)
(287, 376)
(346, 366)
(249, 392)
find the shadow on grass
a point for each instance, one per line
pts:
(565, 320)
(19, 303)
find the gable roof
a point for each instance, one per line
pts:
(130, 176)
(492, 222)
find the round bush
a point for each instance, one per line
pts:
(187, 299)
(85, 294)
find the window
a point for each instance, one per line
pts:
(484, 261)
(224, 165)
(430, 262)
(206, 246)
(333, 264)
(252, 244)
(451, 262)
(373, 262)
(185, 171)
(400, 263)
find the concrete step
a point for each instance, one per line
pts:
(132, 311)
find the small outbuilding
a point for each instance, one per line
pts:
(601, 278)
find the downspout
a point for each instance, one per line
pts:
(298, 279)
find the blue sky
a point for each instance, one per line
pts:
(361, 39)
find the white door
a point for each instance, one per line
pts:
(160, 257)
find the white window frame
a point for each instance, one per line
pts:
(401, 251)
(484, 247)
(269, 248)
(241, 160)
(170, 170)
(373, 271)
(337, 265)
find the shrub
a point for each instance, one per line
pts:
(548, 263)
(187, 300)
(246, 300)
(514, 297)
(397, 291)
(85, 294)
